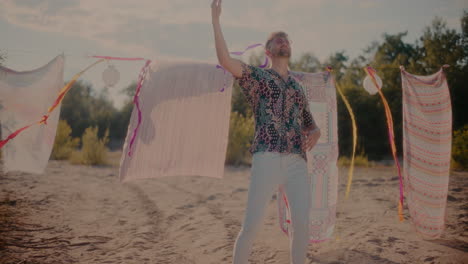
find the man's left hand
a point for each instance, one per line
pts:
(311, 138)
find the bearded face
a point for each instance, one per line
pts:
(280, 48)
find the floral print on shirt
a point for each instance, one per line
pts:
(280, 108)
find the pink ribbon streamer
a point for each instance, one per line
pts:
(240, 53)
(391, 136)
(117, 58)
(141, 78)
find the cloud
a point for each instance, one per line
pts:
(183, 28)
(92, 20)
(151, 27)
(367, 4)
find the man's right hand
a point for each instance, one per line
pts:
(233, 66)
(216, 10)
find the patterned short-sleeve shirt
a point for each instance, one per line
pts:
(280, 108)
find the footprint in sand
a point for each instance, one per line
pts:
(239, 190)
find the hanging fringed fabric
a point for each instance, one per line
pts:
(427, 141)
(23, 97)
(372, 74)
(56, 103)
(322, 159)
(184, 123)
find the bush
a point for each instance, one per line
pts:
(241, 131)
(360, 160)
(64, 144)
(344, 161)
(93, 151)
(460, 149)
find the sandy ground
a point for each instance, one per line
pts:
(79, 214)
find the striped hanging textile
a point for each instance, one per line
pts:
(321, 160)
(183, 123)
(427, 141)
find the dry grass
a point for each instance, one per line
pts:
(359, 161)
(93, 151)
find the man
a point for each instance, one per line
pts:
(284, 131)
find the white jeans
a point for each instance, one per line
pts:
(269, 170)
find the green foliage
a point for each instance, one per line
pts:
(2, 58)
(440, 45)
(241, 129)
(238, 103)
(76, 108)
(338, 63)
(83, 108)
(460, 149)
(121, 118)
(130, 90)
(388, 56)
(93, 151)
(241, 133)
(437, 46)
(306, 63)
(64, 144)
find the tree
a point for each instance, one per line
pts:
(338, 63)
(129, 91)
(76, 108)
(389, 55)
(2, 58)
(306, 63)
(83, 108)
(121, 118)
(440, 45)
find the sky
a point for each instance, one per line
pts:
(33, 32)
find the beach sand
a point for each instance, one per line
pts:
(81, 214)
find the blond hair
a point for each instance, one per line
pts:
(277, 34)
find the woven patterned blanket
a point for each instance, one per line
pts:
(322, 159)
(427, 141)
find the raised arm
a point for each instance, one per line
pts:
(230, 64)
